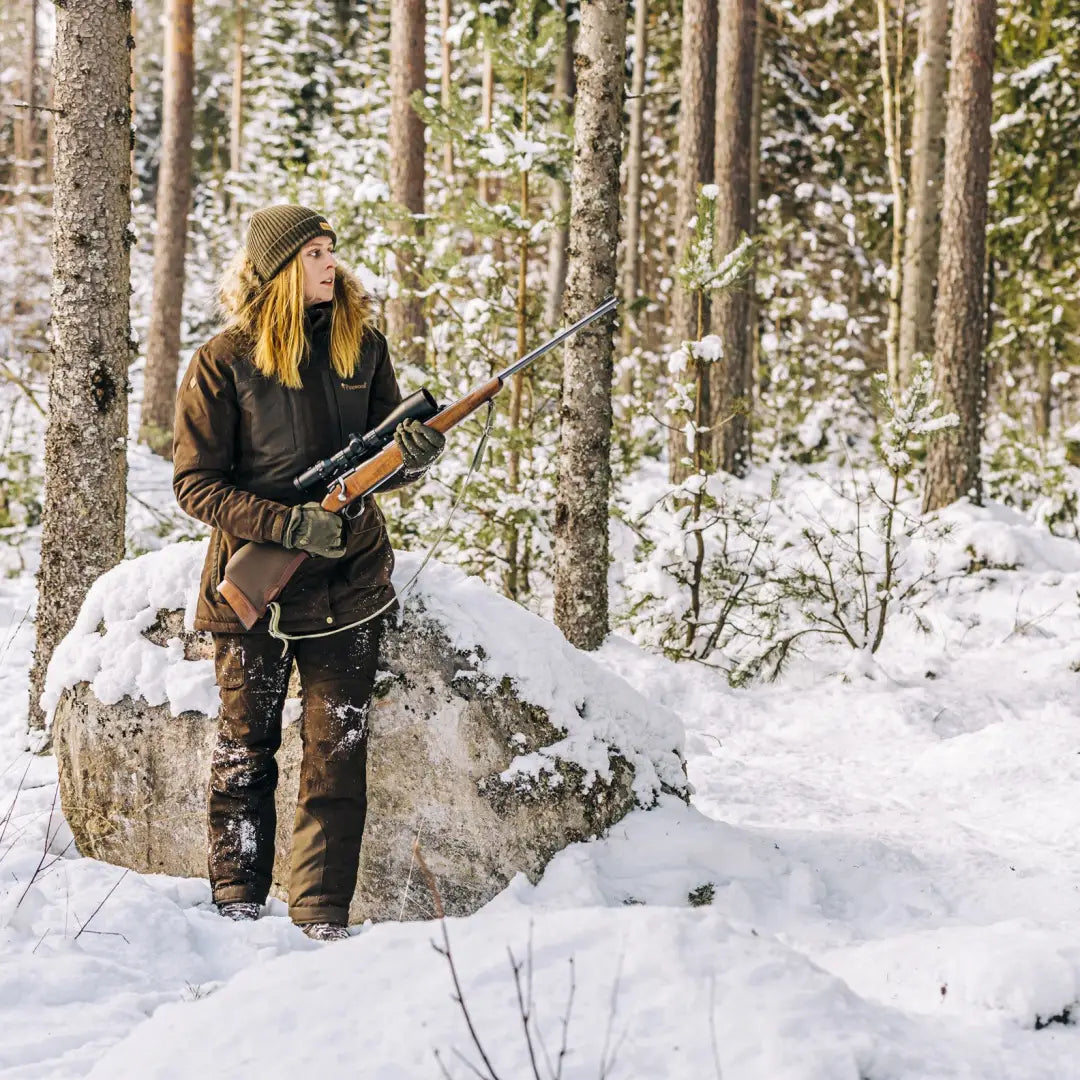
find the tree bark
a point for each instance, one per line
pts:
(584, 481)
(444, 26)
(924, 188)
(731, 388)
(170, 240)
(405, 314)
(26, 123)
(487, 99)
(85, 461)
(631, 276)
(952, 469)
(891, 87)
(697, 118)
(236, 101)
(560, 194)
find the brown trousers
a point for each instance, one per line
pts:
(337, 674)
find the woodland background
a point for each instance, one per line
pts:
(440, 141)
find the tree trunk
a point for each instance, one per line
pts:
(952, 469)
(444, 26)
(891, 87)
(404, 314)
(697, 88)
(560, 194)
(26, 123)
(731, 386)
(754, 316)
(236, 102)
(85, 461)
(170, 240)
(513, 578)
(584, 482)
(924, 188)
(487, 99)
(631, 254)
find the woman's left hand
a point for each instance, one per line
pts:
(420, 445)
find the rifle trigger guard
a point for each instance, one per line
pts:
(353, 510)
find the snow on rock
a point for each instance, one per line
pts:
(491, 737)
(107, 646)
(597, 711)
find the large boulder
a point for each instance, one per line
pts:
(492, 739)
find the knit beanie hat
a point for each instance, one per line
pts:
(277, 233)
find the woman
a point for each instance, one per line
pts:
(298, 368)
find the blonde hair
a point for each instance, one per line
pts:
(271, 317)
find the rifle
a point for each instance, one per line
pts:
(257, 572)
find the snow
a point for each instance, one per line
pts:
(887, 855)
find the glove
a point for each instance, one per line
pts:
(419, 444)
(313, 529)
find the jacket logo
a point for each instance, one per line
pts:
(354, 386)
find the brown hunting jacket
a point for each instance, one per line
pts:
(240, 438)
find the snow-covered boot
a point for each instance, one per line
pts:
(325, 931)
(239, 910)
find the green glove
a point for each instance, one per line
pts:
(313, 529)
(419, 444)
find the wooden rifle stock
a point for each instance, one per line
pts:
(256, 574)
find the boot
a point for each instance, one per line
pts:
(325, 931)
(239, 910)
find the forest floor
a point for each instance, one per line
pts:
(885, 860)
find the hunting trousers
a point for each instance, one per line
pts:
(337, 675)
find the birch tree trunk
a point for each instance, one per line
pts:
(952, 469)
(731, 388)
(697, 118)
(404, 314)
(560, 193)
(85, 461)
(170, 240)
(631, 275)
(924, 187)
(584, 482)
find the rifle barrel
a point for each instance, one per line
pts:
(608, 305)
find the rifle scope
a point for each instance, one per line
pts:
(419, 406)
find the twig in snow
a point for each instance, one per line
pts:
(525, 999)
(15, 798)
(83, 926)
(45, 847)
(608, 1063)
(446, 952)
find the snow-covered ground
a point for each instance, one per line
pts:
(884, 864)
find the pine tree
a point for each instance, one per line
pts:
(732, 389)
(581, 511)
(85, 461)
(170, 240)
(697, 134)
(404, 313)
(921, 229)
(953, 466)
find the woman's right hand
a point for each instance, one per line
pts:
(315, 530)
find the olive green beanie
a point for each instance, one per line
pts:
(277, 233)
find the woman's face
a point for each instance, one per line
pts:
(317, 259)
